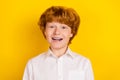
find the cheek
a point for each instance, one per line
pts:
(69, 34)
(47, 34)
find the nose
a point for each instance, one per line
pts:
(57, 31)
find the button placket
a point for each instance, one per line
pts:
(60, 69)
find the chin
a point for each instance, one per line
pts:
(57, 47)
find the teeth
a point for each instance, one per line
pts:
(57, 38)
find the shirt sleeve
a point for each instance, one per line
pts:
(28, 72)
(89, 72)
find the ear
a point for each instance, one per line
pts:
(71, 35)
(44, 32)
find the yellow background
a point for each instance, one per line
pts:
(97, 39)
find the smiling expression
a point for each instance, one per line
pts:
(57, 34)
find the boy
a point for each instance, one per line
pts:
(59, 26)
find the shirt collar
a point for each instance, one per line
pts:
(68, 53)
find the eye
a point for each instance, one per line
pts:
(63, 27)
(51, 26)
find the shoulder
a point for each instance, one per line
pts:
(37, 59)
(80, 58)
(82, 61)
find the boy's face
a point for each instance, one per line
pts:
(58, 35)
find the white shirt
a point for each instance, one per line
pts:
(47, 66)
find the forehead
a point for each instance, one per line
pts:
(56, 24)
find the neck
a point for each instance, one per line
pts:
(59, 52)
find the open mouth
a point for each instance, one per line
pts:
(57, 39)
